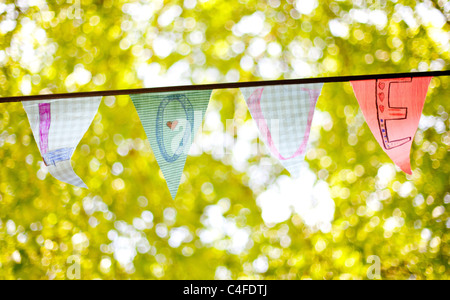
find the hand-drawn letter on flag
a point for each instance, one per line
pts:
(58, 126)
(170, 121)
(289, 111)
(392, 109)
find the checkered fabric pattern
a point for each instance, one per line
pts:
(170, 121)
(63, 171)
(287, 110)
(70, 119)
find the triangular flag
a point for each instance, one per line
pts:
(170, 121)
(392, 109)
(58, 126)
(284, 115)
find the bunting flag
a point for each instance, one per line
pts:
(392, 109)
(58, 126)
(170, 121)
(289, 111)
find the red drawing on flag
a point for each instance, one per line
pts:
(392, 109)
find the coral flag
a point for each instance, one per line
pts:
(392, 109)
(170, 121)
(58, 126)
(288, 110)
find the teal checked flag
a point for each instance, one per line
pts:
(170, 121)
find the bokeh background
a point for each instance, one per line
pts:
(238, 214)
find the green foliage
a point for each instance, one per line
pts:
(47, 226)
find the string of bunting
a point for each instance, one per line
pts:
(283, 111)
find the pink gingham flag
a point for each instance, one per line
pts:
(284, 115)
